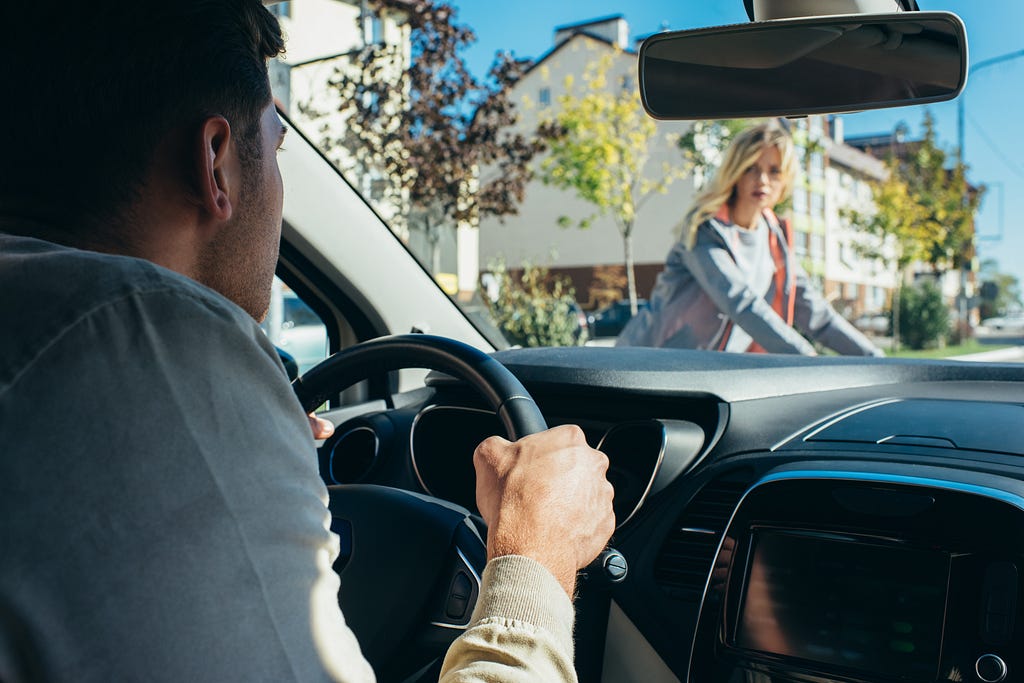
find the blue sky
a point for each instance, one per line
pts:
(994, 97)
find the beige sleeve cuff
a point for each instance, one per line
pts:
(519, 589)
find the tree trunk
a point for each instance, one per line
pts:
(896, 311)
(431, 232)
(627, 250)
(435, 257)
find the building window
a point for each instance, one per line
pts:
(800, 200)
(378, 189)
(817, 247)
(376, 31)
(800, 243)
(817, 205)
(846, 256)
(545, 97)
(863, 191)
(817, 165)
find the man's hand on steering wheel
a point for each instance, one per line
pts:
(546, 497)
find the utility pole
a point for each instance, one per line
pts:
(960, 121)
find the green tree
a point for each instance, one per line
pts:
(923, 212)
(926, 316)
(600, 142)
(423, 126)
(535, 308)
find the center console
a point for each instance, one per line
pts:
(828, 576)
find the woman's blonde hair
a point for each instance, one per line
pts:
(742, 153)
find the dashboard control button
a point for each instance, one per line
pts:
(458, 596)
(990, 668)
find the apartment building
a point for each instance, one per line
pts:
(855, 285)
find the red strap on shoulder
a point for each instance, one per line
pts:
(784, 278)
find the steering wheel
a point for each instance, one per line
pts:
(411, 564)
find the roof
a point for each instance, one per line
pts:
(853, 158)
(551, 52)
(872, 140)
(590, 22)
(401, 4)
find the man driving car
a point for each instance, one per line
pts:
(161, 516)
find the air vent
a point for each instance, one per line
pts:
(684, 561)
(351, 456)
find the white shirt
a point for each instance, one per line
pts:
(754, 260)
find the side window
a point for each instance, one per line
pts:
(293, 327)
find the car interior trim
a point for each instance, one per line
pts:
(468, 566)
(884, 478)
(370, 461)
(838, 417)
(412, 437)
(628, 657)
(654, 471)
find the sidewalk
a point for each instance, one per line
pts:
(1012, 354)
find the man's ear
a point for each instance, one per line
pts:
(217, 168)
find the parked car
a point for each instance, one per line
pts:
(583, 323)
(873, 323)
(1004, 323)
(784, 518)
(610, 320)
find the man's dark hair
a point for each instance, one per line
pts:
(93, 87)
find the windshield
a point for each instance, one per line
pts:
(505, 145)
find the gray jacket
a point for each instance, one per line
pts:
(702, 293)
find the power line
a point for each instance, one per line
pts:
(1017, 170)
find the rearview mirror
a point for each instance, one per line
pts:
(795, 67)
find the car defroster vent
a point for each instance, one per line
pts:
(685, 559)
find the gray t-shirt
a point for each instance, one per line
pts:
(161, 515)
(754, 261)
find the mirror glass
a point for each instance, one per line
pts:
(795, 67)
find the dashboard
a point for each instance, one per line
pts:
(784, 518)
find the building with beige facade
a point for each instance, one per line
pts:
(534, 235)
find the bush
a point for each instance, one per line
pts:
(924, 316)
(535, 309)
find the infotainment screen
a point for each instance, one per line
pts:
(840, 601)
